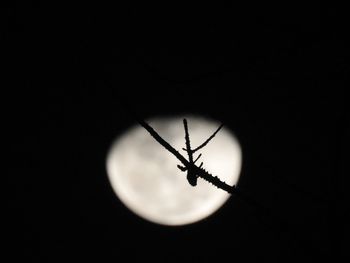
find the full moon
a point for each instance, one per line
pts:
(145, 177)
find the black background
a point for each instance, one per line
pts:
(274, 74)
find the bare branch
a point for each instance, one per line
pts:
(189, 165)
(214, 180)
(208, 140)
(165, 144)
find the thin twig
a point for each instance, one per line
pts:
(208, 140)
(199, 156)
(188, 143)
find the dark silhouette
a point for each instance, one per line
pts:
(193, 171)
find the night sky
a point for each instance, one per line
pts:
(274, 74)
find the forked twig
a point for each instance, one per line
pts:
(193, 171)
(208, 140)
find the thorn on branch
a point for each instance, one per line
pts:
(199, 156)
(182, 168)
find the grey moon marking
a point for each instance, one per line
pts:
(145, 178)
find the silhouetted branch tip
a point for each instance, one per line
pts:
(208, 140)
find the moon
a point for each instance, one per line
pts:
(145, 177)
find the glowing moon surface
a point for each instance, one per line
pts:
(145, 178)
